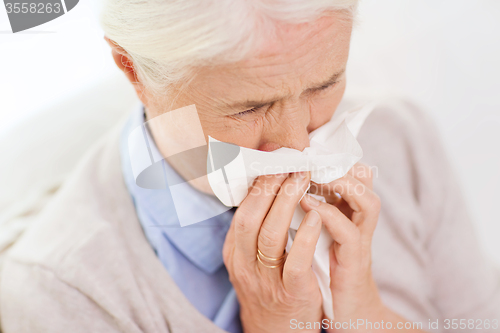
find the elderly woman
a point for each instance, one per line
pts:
(107, 255)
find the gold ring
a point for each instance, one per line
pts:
(268, 266)
(259, 253)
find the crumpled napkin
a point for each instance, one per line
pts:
(333, 151)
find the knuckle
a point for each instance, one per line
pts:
(375, 202)
(270, 184)
(359, 189)
(288, 189)
(331, 212)
(241, 218)
(294, 272)
(268, 238)
(308, 242)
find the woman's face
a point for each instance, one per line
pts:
(274, 99)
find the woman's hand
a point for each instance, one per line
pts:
(273, 293)
(351, 222)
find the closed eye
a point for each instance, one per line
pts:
(252, 110)
(256, 109)
(249, 111)
(326, 86)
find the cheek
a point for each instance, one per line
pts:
(244, 134)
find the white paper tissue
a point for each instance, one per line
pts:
(332, 153)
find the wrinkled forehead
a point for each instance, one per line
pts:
(297, 56)
(292, 37)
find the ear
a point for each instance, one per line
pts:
(126, 65)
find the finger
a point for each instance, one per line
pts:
(273, 233)
(363, 173)
(342, 229)
(326, 191)
(359, 197)
(250, 214)
(359, 171)
(345, 233)
(363, 201)
(337, 191)
(297, 271)
(364, 204)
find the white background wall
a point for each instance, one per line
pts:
(444, 54)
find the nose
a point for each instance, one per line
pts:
(286, 126)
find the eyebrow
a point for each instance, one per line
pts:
(328, 82)
(261, 103)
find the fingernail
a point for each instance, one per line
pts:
(312, 201)
(299, 176)
(313, 218)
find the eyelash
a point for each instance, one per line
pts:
(252, 110)
(327, 86)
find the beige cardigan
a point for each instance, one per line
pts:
(86, 266)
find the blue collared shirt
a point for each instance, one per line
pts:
(192, 255)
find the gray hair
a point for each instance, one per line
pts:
(167, 39)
